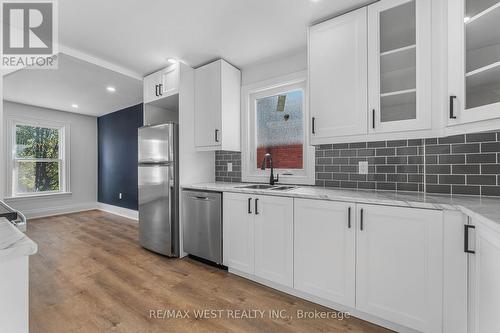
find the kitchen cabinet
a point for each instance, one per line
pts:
(258, 236)
(473, 60)
(217, 107)
(399, 262)
(338, 77)
(483, 245)
(161, 84)
(399, 65)
(325, 247)
(370, 72)
(238, 232)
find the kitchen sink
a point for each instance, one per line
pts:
(283, 188)
(268, 187)
(258, 187)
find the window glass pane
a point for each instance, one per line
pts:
(37, 176)
(482, 53)
(280, 129)
(37, 142)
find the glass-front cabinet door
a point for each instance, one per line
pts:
(399, 62)
(474, 60)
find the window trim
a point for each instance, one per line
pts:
(11, 161)
(250, 173)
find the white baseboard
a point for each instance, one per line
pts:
(123, 212)
(60, 210)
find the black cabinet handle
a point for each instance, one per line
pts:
(216, 135)
(361, 224)
(160, 87)
(249, 205)
(156, 90)
(466, 238)
(313, 125)
(256, 207)
(452, 111)
(373, 118)
(349, 217)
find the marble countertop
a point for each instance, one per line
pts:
(13, 243)
(473, 206)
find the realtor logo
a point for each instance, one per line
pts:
(29, 36)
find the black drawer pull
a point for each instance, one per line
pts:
(256, 207)
(249, 205)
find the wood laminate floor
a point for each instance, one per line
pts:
(90, 275)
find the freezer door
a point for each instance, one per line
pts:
(156, 143)
(156, 208)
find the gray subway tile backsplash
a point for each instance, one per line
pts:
(459, 164)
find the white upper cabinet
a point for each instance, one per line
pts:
(399, 265)
(161, 84)
(325, 247)
(473, 60)
(399, 65)
(338, 77)
(217, 107)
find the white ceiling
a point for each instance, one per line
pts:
(74, 82)
(141, 35)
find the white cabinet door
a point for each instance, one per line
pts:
(238, 232)
(484, 279)
(208, 105)
(399, 65)
(151, 87)
(399, 265)
(473, 60)
(170, 80)
(324, 249)
(274, 239)
(338, 77)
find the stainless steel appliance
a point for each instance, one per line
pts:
(159, 189)
(202, 224)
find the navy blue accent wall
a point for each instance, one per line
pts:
(117, 141)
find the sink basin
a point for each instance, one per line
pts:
(283, 188)
(268, 187)
(258, 187)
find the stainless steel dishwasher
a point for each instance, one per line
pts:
(202, 224)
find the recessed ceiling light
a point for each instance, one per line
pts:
(111, 89)
(75, 106)
(466, 19)
(315, 1)
(172, 60)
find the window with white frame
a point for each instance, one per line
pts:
(38, 159)
(276, 123)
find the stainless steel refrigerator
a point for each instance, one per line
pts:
(159, 189)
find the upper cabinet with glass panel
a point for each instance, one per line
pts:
(474, 60)
(399, 65)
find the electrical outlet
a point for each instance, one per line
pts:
(363, 168)
(229, 167)
(120, 196)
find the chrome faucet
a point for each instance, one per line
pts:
(272, 180)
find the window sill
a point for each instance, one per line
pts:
(38, 196)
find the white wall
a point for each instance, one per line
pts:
(83, 162)
(274, 67)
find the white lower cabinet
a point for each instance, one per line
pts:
(258, 236)
(381, 261)
(325, 245)
(238, 232)
(484, 278)
(399, 264)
